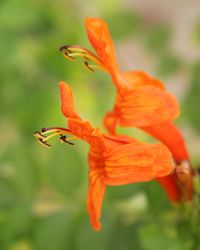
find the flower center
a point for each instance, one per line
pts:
(46, 133)
(72, 51)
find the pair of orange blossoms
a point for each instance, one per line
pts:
(141, 102)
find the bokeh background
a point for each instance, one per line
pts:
(43, 191)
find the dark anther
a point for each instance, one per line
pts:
(44, 130)
(88, 66)
(63, 138)
(37, 133)
(63, 48)
(44, 142)
(67, 47)
(66, 52)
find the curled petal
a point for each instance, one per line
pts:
(101, 40)
(169, 185)
(140, 79)
(146, 106)
(110, 122)
(67, 102)
(95, 197)
(168, 133)
(137, 162)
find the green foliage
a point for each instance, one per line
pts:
(123, 24)
(43, 191)
(192, 100)
(157, 38)
(52, 232)
(168, 65)
(66, 169)
(154, 235)
(197, 32)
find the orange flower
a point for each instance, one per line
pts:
(113, 160)
(141, 100)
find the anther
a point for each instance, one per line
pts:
(72, 51)
(44, 142)
(46, 133)
(88, 66)
(43, 130)
(63, 138)
(67, 52)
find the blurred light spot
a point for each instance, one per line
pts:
(132, 208)
(7, 170)
(21, 245)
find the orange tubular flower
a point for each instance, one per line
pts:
(141, 101)
(113, 160)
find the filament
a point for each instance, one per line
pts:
(47, 133)
(72, 51)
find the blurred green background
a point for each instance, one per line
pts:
(43, 191)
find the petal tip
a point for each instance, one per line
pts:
(97, 227)
(63, 85)
(67, 102)
(94, 21)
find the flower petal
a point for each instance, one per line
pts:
(145, 106)
(110, 122)
(169, 185)
(137, 162)
(139, 79)
(67, 102)
(101, 40)
(168, 133)
(85, 131)
(95, 197)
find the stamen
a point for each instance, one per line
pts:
(92, 68)
(63, 138)
(89, 67)
(46, 133)
(44, 143)
(71, 51)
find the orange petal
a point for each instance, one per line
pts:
(137, 162)
(113, 141)
(110, 122)
(95, 198)
(67, 103)
(171, 137)
(140, 79)
(101, 40)
(85, 131)
(169, 185)
(79, 128)
(145, 106)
